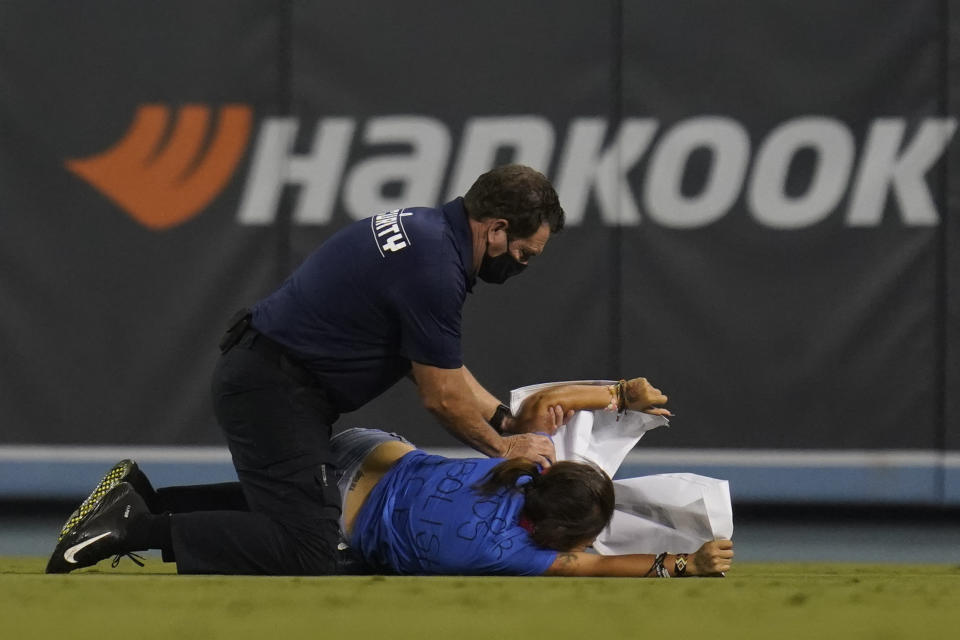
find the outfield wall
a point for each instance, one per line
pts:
(762, 216)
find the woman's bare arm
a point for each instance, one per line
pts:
(712, 559)
(539, 411)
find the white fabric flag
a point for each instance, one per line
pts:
(675, 512)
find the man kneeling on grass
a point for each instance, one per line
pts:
(406, 511)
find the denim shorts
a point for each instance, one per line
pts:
(350, 448)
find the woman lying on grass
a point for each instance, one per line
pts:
(406, 511)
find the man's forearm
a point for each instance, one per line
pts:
(486, 401)
(481, 436)
(464, 420)
(447, 394)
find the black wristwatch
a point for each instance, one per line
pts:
(496, 421)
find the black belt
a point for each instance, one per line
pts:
(242, 334)
(255, 341)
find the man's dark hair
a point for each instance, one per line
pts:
(520, 195)
(568, 505)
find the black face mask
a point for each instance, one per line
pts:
(497, 270)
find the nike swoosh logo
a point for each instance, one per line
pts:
(69, 554)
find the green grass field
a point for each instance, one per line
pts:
(753, 601)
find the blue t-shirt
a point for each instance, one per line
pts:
(423, 517)
(378, 294)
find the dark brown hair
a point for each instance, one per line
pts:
(568, 505)
(520, 195)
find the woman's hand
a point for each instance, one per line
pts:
(643, 396)
(712, 559)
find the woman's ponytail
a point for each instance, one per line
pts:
(506, 474)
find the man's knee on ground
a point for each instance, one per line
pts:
(313, 548)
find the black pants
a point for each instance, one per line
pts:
(277, 422)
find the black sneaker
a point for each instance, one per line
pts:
(123, 471)
(100, 533)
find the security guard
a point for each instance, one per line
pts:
(380, 300)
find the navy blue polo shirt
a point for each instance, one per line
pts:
(375, 296)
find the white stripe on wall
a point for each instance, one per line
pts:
(679, 457)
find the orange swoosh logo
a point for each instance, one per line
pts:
(164, 180)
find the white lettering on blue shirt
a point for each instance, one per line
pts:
(388, 231)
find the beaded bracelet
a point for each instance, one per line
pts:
(680, 566)
(622, 396)
(658, 568)
(614, 399)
